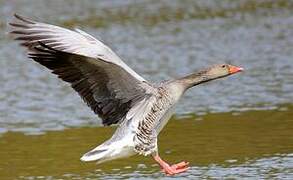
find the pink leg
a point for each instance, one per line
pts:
(171, 170)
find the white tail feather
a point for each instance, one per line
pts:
(107, 153)
(97, 154)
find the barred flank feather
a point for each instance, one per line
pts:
(146, 135)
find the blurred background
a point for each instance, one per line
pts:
(238, 127)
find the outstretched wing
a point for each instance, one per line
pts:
(76, 42)
(100, 77)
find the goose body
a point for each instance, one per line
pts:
(115, 92)
(126, 140)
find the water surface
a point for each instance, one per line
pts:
(159, 40)
(252, 144)
(233, 128)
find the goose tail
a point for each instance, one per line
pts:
(98, 154)
(106, 153)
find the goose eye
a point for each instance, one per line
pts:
(223, 66)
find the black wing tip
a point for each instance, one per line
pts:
(12, 24)
(17, 16)
(22, 18)
(19, 24)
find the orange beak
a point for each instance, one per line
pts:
(234, 69)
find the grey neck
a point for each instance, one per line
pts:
(195, 79)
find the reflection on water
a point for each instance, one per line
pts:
(252, 144)
(256, 35)
(228, 137)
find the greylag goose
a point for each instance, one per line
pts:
(116, 93)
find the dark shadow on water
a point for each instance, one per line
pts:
(220, 140)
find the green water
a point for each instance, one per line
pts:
(214, 141)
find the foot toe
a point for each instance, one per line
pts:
(176, 168)
(180, 165)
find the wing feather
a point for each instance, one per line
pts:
(77, 42)
(101, 78)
